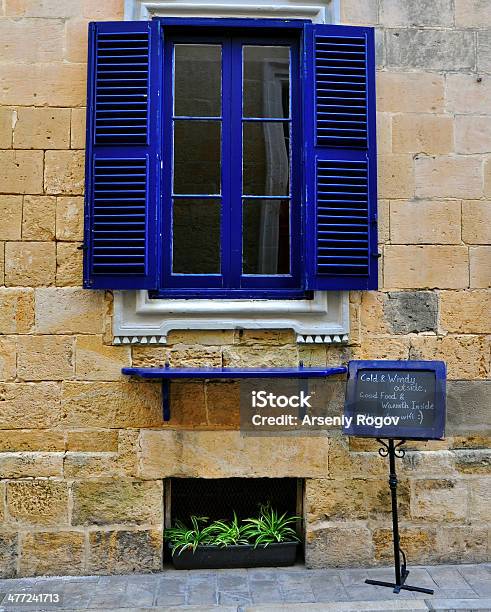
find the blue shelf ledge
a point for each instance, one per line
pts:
(167, 374)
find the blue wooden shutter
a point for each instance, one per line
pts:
(340, 191)
(122, 189)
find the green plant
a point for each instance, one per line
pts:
(270, 527)
(182, 538)
(227, 533)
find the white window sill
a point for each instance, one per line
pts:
(138, 319)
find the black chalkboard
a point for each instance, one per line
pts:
(395, 399)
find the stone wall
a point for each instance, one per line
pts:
(83, 452)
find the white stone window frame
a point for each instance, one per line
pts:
(321, 320)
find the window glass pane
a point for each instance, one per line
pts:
(196, 236)
(197, 80)
(266, 162)
(266, 73)
(266, 237)
(197, 157)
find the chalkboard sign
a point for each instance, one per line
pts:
(395, 399)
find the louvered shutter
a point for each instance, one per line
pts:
(340, 190)
(122, 156)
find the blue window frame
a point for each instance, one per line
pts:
(310, 226)
(213, 244)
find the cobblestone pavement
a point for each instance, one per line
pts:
(457, 587)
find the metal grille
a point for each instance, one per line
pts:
(341, 91)
(218, 498)
(122, 66)
(342, 218)
(119, 210)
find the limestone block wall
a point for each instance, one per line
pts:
(84, 452)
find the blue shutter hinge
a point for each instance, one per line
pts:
(83, 247)
(377, 255)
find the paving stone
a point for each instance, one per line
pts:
(460, 604)
(265, 591)
(447, 577)
(227, 598)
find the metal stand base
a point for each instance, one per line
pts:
(401, 573)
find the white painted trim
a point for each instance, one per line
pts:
(322, 12)
(137, 318)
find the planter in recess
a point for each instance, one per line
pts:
(240, 555)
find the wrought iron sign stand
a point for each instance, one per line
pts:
(401, 572)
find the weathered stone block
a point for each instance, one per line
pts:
(92, 465)
(225, 454)
(442, 500)
(487, 178)
(384, 133)
(356, 13)
(480, 500)
(38, 502)
(417, 542)
(38, 218)
(93, 10)
(472, 134)
(351, 499)
(416, 13)
(54, 84)
(372, 313)
(411, 311)
(223, 403)
(395, 176)
(448, 177)
(52, 553)
(69, 310)
(378, 348)
(426, 267)
(31, 465)
(465, 93)
(476, 221)
(413, 133)
(64, 173)
(467, 357)
(31, 264)
(188, 403)
(48, 34)
(98, 361)
(11, 215)
(8, 361)
(253, 337)
(70, 218)
(21, 171)
(45, 357)
(69, 264)
(41, 8)
(461, 544)
(411, 92)
(260, 356)
(42, 128)
(473, 461)
(111, 404)
(6, 121)
(480, 267)
(124, 552)
(182, 355)
(345, 464)
(204, 337)
(430, 49)
(92, 441)
(8, 555)
(76, 34)
(77, 131)
(338, 545)
(466, 312)
(484, 51)
(32, 440)
(472, 13)
(438, 222)
(106, 502)
(420, 464)
(25, 405)
(468, 407)
(16, 310)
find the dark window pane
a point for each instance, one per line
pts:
(197, 80)
(266, 237)
(266, 73)
(266, 163)
(196, 236)
(197, 157)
